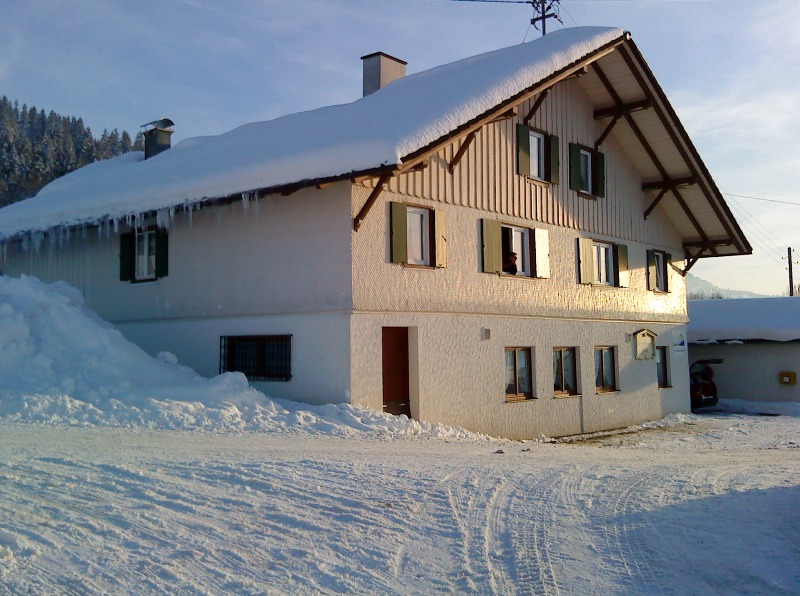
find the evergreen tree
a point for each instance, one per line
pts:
(37, 147)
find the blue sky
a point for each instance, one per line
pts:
(729, 70)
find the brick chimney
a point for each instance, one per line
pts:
(381, 69)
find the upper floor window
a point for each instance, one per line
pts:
(586, 170)
(657, 270)
(515, 250)
(143, 255)
(602, 263)
(537, 154)
(519, 375)
(417, 236)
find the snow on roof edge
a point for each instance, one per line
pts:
(372, 133)
(764, 319)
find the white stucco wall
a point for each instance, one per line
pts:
(751, 371)
(458, 378)
(274, 256)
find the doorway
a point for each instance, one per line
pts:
(395, 361)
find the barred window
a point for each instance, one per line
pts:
(259, 357)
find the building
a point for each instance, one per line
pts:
(360, 253)
(758, 340)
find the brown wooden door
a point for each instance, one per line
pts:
(395, 371)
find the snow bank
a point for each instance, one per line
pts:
(61, 363)
(775, 319)
(374, 131)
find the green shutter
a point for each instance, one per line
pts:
(399, 240)
(126, 254)
(585, 261)
(652, 273)
(162, 253)
(492, 246)
(623, 275)
(575, 182)
(554, 161)
(599, 173)
(523, 150)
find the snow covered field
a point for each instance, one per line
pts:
(120, 473)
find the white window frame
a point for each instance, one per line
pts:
(604, 267)
(536, 150)
(145, 259)
(520, 244)
(419, 248)
(586, 171)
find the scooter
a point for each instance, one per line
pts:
(701, 383)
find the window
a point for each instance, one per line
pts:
(657, 276)
(605, 377)
(586, 170)
(662, 366)
(537, 154)
(417, 236)
(564, 372)
(531, 247)
(259, 357)
(143, 255)
(519, 375)
(602, 263)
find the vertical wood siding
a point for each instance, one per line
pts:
(486, 177)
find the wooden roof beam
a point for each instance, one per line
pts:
(621, 109)
(707, 191)
(606, 132)
(648, 149)
(373, 196)
(668, 183)
(655, 202)
(536, 105)
(461, 151)
(507, 115)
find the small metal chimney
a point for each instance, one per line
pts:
(381, 69)
(158, 138)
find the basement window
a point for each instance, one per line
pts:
(258, 357)
(519, 375)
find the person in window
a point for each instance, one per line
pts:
(510, 266)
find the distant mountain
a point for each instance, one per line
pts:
(700, 289)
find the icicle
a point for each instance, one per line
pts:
(38, 238)
(116, 225)
(67, 233)
(190, 215)
(162, 218)
(257, 206)
(25, 243)
(171, 215)
(245, 201)
(5, 251)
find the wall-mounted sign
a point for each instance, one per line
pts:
(679, 341)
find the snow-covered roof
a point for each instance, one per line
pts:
(373, 132)
(773, 319)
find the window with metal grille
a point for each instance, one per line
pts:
(259, 357)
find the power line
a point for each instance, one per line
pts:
(730, 194)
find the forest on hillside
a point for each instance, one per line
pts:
(37, 147)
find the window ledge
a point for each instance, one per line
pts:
(514, 399)
(566, 395)
(415, 266)
(585, 195)
(510, 276)
(605, 391)
(539, 181)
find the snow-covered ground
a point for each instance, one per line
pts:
(120, 473)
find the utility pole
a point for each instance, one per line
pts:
(791, 277)
(540, 9)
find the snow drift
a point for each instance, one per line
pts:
(59, 362)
